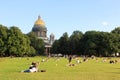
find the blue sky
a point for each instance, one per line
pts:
(61, 15)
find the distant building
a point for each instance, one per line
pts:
(40, 31)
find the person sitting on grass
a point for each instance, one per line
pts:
(32, 68)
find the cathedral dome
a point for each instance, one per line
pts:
(39, 22)
(39, 25)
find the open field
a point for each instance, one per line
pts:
(57, 69)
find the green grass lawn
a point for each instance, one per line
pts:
(57, 69)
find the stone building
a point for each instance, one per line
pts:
(40, 31)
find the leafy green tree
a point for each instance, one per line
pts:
(18, 43)
(116, 30)
(88, 43)
(74, 41)
(3, 39)
(64, 44)
(31, 52)
(104, 44)
(55, 47)
(116, 40)
(97, 43)
(40, 46)
(36, 43)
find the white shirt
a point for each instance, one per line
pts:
(33, 69)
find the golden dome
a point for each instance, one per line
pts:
(39, 21)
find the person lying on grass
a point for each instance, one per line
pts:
(33, 67)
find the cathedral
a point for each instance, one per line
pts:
(40, 31)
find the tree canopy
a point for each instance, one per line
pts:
(90, 43)
(15, 43)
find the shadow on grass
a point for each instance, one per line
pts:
(114, 72)
(117, 68)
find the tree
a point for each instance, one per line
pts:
(64, 45)
(40, 46)
(55, 47)
(116, 40)
(116, 30)
(74, 42)
(97, 43)
(88, 43)
(18, 43)
(36, 43)
(103, 45)
(3, 39)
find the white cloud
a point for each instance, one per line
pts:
(105, 23)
